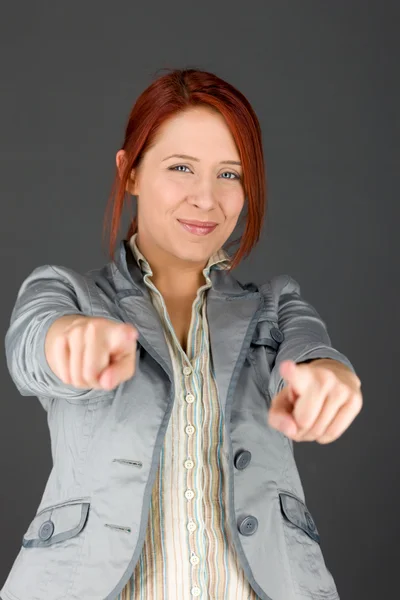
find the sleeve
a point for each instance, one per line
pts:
(47, 293)
(305, 334)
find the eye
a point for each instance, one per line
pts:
(236, 176)
(230, 173)
(173, 168)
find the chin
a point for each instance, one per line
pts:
(194, 254)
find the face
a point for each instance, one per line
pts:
(201, 187)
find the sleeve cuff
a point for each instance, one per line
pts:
(44, 367)
(277, 382)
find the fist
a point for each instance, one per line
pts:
(91, 352)
(319, 401)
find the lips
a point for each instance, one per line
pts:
(198, 227)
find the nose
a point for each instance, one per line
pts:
(203, 196)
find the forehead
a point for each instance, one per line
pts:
(194, 130)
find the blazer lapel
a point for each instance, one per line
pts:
(232, 315)
(134, 301)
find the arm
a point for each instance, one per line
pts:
(305, 334)
(48, 294)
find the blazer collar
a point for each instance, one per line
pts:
(129, 274)
(233, 311)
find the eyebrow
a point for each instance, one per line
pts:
(226, 162)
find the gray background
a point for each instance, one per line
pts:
(322, 77)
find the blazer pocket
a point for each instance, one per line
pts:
(309, 572)
(297, 513)
(57, 523)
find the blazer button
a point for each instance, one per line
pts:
(242, 459)
(248, 525)
(277, 334)
(46, 530)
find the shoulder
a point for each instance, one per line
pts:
(54, 282)
(272, 289)
(278, 285)
(59, 275)
(67, 275)
(91, 292)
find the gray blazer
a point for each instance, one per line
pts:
(87, 534)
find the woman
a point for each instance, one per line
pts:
(174, 392)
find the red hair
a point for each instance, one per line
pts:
(177, 91)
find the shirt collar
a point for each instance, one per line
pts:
(219, 260)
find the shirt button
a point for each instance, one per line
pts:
(189, 429)
(190, 398)
(196, 591)
(187, 370)
(189, 464)
(192, 526)
(189, 494)
(194, 560)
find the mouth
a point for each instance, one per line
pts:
(198, 227)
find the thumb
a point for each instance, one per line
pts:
(121, 338)
(280, 412)
(122, 351)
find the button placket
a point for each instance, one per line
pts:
(190, 480)
(191, 525)
(189, 361)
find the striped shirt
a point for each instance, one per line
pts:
(188, 552)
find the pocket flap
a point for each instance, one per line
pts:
(297, 513)
(56, 523)
(267, 333)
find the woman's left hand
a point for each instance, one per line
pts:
(318, 403)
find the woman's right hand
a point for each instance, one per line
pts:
(91, 352)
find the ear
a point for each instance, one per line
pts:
(120, 160)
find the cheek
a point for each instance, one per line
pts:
(233, 204)
(159, 197)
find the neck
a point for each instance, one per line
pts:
(172, 276)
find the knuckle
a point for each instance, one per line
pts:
(328, 381)
(89, 374)
(341, 389)
(90, 326)
(303, 420)
(330, 377)
(74, 334)
(356, 399)
(91, 330)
